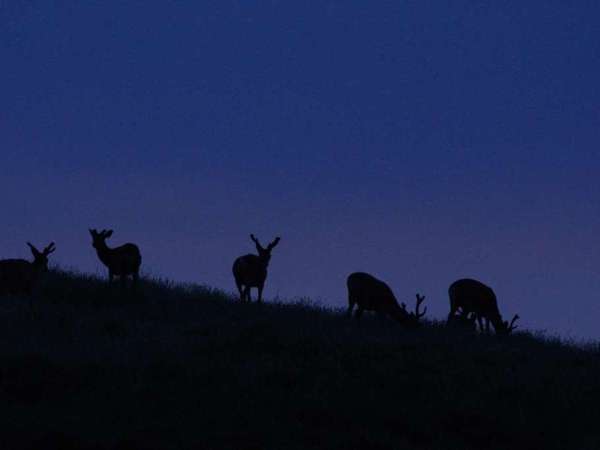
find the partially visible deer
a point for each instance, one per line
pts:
(18, 276)
(121, 261)
(251, 270)
(472, 296)
(464, 322)
(371, 294)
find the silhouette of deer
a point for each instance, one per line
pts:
(472, 296)
(121, 261)
(371, 294)
(18, 276)
(251, 270)
(464, 321)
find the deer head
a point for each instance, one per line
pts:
(40, 259)
(415, 317)
(99, 239)
(264, 253)
(506, 327)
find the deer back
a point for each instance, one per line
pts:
(371, 294)
(473, 296)
(17, 276)
(122, 260)
(250, 270)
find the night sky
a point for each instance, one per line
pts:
(419, 141)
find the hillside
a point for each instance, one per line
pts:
(187, 367)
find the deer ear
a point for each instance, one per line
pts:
(108, 233)
(92, 232)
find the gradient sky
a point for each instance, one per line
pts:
(421, 141)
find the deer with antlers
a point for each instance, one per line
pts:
(122, 261)
(371, 294)
(19, 276)
(251, 270)
(472, 296)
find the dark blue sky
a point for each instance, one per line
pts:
(419, 141)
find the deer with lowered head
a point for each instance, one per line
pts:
(370, 294)
(466, 322)
(472, 296)
(251, 270)
(122, 261)
(19, 276)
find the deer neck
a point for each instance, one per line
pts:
(398, 313)
(104, 253)
(37, 266)
(264, 262)
(496, 320)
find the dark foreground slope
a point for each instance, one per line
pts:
(186, 367)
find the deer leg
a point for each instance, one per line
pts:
(260, 291)
(480, 322)
(358, 313)
(111, 276)
(135, 280)
(350, 308)
(247, 294)
(241, 291)
(451, 315)
(487, 326)
(351, 304)
(29, 294)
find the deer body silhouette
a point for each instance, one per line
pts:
(472, 296)
(251, 270)
(370, 294)
(18, 276)
(122, 261)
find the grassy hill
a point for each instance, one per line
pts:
(187, 367)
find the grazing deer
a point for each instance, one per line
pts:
(18, 276)
(472, 296)
(464, 322)
(371, 294)
(121, 261)
(251, 270)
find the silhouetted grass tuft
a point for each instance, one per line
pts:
(184, 366)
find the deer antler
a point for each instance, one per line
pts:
(34, 250)
(49, 249)
(272, 245)
(512, 325)
(417, 314)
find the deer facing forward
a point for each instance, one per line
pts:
(121, 261)
(472, 296)
(251, 270)
(371, 294)
(18, 276)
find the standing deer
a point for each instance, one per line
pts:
(371, 294)
(251, 270)
(18, 276)
(121, 261)
(472, 296)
